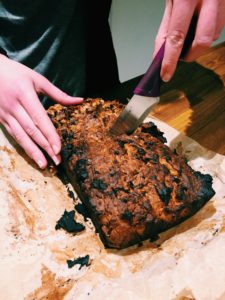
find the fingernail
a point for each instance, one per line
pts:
(56, 160)
(56, 149)
(41, 164)
(78, 98)
(166, 77)
(73, 97)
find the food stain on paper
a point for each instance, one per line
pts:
(222, 229)
(52, 288)
(18, 208)
(10, 153)
(185, 294)
(107, 268)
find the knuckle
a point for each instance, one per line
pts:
(21, 89)
(9, 100)
(168, 63)
(38, 118)
(32, 132)
(18, 137)
(176, 38)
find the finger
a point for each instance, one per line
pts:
(162, 33)
(205, 30)
(20, 136)
(44, 86)
(37, 113)
(178, 27)
(33, 132)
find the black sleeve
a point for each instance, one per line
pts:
(2, 51)
(102, 71)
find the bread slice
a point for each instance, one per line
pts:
(134, 186)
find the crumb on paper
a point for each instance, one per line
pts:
(68, 223)
(82, 261)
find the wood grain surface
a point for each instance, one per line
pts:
(193, 102)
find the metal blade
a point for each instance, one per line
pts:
(133, 114)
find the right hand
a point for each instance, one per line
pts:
(174, 27)
(22, 113)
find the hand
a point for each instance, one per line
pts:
(175, 24)
(22, 113)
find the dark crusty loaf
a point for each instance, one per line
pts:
(134, 186)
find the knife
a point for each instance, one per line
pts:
(146, 94)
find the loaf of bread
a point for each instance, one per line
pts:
(134, 186)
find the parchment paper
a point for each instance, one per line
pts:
(186, 262)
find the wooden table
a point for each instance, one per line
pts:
(193, 102)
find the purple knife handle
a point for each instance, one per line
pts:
(150, 83)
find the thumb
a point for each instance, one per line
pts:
(44, 86)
